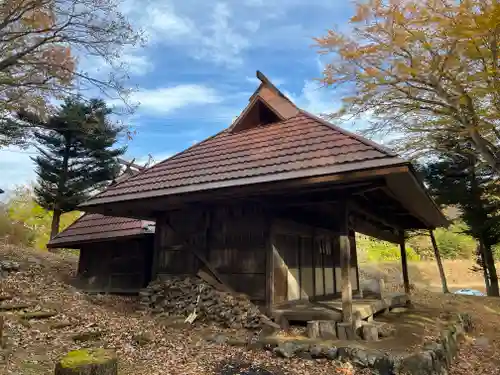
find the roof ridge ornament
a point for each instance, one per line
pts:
(266, 105)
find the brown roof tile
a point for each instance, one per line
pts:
(303, 145)
(95, 227)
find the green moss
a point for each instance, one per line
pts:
(84, 357)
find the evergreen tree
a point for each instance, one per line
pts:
(76, 155)
(459, 178)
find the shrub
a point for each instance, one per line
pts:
(373, 250)
(14, 233)
(454, 244)
(22, 208)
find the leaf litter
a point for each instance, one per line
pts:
(115, 322)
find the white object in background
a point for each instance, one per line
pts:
(470, 292)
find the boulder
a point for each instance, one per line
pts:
(332, 353)
(9, 266)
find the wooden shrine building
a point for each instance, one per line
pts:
(270, 205)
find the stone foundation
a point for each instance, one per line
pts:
(433, 359)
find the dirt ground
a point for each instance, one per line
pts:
(43, 284)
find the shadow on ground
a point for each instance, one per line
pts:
(236, 367)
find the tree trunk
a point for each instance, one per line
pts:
(56, 218)
(482, 263)
(482, 147)
(88, 362)
(492, 271)
(442, 275)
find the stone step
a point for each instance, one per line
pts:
(14, 307)
(61, 325)
(37, 315)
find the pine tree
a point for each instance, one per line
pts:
(76, 155)
(459, 178)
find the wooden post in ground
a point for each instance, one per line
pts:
(439, 263)
(404, 262)
(88, 362)
(2, 325)
(381, 287)
(345, 263)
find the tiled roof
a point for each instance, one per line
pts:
(95, 227)
(301, 146)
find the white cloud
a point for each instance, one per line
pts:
(154, 158)
(136, 63)
(131, 60)
(314, 98)
(16, 168)
(255, 81)
(204, 31)
(252, 25)
(168, 99)
(223, 44)
(161, 22)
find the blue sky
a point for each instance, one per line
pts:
(197, 70)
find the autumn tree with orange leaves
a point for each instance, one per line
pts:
(42, 43)
(421, 70)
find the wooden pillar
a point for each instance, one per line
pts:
(404, 262)
(345, 263)
(269, 267)
(157, 246)
(313, 263)
(439, 263)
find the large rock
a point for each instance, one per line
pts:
(289, 349)
(285, 350)
(385, 329)
(9, 266)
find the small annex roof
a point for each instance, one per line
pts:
(93, 227)
(272, 140)
(97, 227)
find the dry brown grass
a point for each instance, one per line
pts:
(425, 274)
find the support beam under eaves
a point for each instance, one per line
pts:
(404, 262)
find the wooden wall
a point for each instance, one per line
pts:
(232, 237)
(306, 262)
(116, 266)
(175, 232)
(238, 243)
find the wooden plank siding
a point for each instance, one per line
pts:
(173, 230)
(307, 262)
(115, 266)
(233, 238)
(270, 263)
